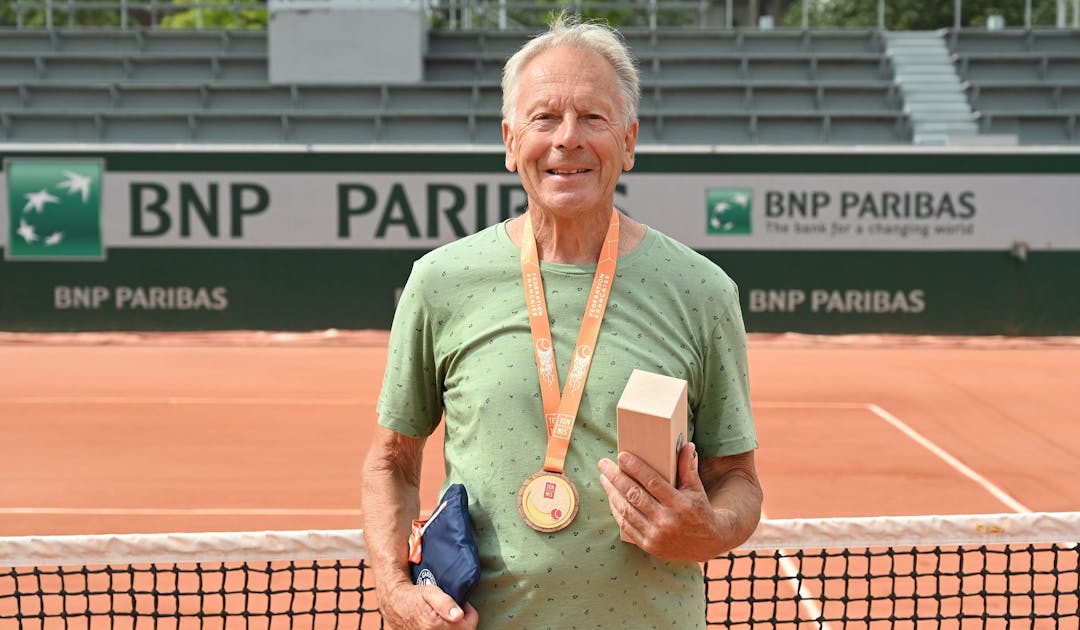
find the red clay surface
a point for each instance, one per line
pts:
(253, 432)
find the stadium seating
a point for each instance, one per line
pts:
(701, 87)
(1024, 82)
(724, 87)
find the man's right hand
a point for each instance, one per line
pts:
(410, 607)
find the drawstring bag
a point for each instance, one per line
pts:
(442, 551)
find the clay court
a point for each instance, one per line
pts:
(253, 431)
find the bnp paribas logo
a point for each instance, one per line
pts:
(54, 209)
(728, 210)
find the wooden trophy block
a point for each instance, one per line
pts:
(652, 417)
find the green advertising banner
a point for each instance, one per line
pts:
(54, 209)
(839, 241)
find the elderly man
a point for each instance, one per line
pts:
(485, 327)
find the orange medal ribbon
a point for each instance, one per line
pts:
(549, 488)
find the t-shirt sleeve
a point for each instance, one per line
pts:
(410, 401)
(723, 421)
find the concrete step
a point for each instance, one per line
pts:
(930, 138)
(962, 139)
(914, 53)
(958, 113)
(931, 70)
(953, 128)
(935, 49)
(907, 39)
(929, 115)
(911, 34)
(932, 59)
(943, 101)
(916, 48)
(927, 97)
(922, 98)
(934, 94)
(940, 116)
(942, 120)
(943, 112)
(932, 80)
(928, 70)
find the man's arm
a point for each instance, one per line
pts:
(391, 500)
(714, 509)
(735, 494)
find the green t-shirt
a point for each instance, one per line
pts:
(461, 345)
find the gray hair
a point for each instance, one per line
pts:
(600, 39)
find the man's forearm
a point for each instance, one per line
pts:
(390, 501)
(735, 495)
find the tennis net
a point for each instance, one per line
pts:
(983, 571)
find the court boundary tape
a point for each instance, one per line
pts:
(62, 511)
(333, 337)
(183, 400)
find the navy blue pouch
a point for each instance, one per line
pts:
(442, 551)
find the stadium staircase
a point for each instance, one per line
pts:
(932, 92)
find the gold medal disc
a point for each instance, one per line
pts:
(548, 501)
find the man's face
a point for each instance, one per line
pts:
(569, 141)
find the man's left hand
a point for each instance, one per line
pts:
(670, 522)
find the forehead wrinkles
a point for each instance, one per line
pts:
(555, 77)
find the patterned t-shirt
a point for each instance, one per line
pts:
(461, 346)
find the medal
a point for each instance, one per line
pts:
(548, 500)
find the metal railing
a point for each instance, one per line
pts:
(472, 14)
(133, 14)
(500, 14)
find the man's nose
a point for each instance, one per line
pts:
(568, 135)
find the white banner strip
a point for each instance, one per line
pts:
(909, 531)
(831, 533)
(421, 210)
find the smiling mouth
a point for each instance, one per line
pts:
(556, 171)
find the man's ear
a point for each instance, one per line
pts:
(508, 141)
(631, 145)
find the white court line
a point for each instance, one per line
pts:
(788, 569)
(915, 436)
(333, 402)
(790, 573)
(809, 405)
(179, 400)
(60, 511)
(959, 466)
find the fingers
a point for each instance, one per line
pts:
(645, 506)
(471, 618)
(621, 509)
(427, 608)
(688, 476)
(647, 478)
(637, 495)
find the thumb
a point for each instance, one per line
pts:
(442, 604)
(688, 469)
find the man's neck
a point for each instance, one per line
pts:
(577, 240)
